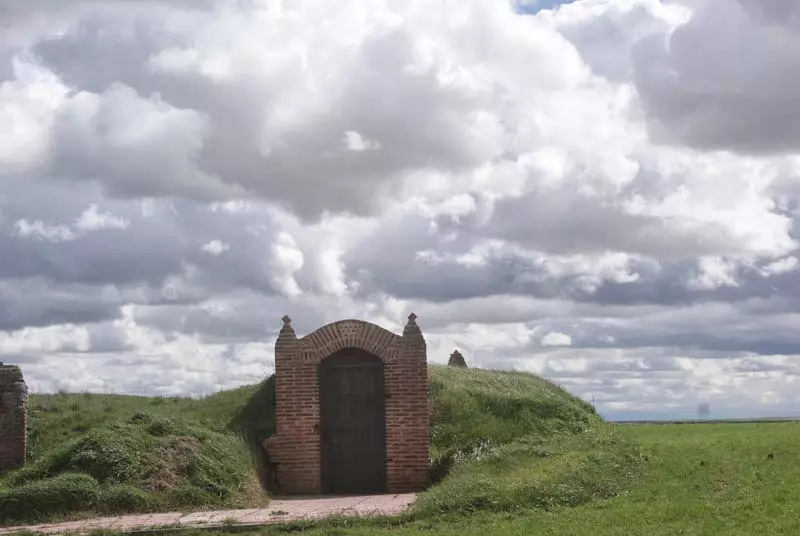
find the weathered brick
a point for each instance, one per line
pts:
(13, 417)
(295, 445)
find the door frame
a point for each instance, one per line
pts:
(352, 358)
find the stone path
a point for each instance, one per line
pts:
(278, 511)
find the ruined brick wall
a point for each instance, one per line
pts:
(457, 360)
(296, 446)
(13, 418)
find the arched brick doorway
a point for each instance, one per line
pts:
(295, 450)
(352, 422)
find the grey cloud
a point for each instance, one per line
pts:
(151, 248)
(723, 344)
(107, 338)
(212, 328)
(87, 278)
(387, 260)
(773, 11)
(748, 366)
(248, 318)
(563, 224)
(21, 359)
(716, 334)
(699, 92)
(662, 269)
(618, 372)
(34, 303)
(102, 257)
(144, 252)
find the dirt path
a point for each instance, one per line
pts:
(279, 511)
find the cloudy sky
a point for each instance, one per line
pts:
(604, 192)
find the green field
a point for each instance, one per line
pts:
(510, 452)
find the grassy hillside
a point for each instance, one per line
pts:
(501, 441)
(511, 440)
(93, 454)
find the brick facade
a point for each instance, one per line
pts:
(296, 448)
(13, 418)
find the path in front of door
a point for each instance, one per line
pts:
(279, 511)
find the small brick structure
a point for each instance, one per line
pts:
(457, 360)
(351, 410)
(13, 418)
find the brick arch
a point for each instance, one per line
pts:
(350, 333)
(294, 449)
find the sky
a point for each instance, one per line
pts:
(604, 193)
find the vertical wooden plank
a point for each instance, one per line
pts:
(353, 423)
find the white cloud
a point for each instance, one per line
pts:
(353, 141)
(286, 259)
(555, 338)
(714, 272)
(782, 266)
(92, 220)
(216, 247)
(28, 100)
(42, 231)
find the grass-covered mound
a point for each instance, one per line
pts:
(511, 440)
(104, 454)
(499, 441)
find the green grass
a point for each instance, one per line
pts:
(94, 454)
(702, 479)
(64, 416)
(516, 455)
(500, 442)
(511, 440)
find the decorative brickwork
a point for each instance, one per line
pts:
(13, 418)
(457, 360)
(296, 447)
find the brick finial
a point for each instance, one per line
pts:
(412, 329)
(287, 331)
(412, 334)
(457, 360)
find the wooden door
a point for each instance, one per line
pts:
(352, 423)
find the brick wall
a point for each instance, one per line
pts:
(295, 446)
(13, 418)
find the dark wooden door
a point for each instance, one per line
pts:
(352, 423)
